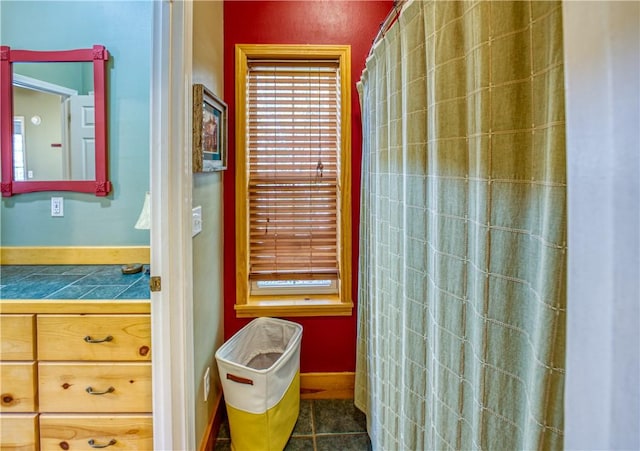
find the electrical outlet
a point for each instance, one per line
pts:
(207, 383)
(57, 206)
(196, 221)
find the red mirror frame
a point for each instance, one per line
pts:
(99, 55)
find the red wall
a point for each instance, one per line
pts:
(328, 343)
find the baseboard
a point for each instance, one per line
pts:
(327, 385)
(73, 255)
(209, 440)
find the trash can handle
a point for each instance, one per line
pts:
(238, 379)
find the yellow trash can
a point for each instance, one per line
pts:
(260, 372)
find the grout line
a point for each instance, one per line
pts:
(313, 425)
(323, 434)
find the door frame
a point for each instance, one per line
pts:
(171, 242)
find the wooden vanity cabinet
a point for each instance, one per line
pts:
(75, 375)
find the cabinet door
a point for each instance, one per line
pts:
(17, 337)
(94, 387)
(80, 432)
(18, 387)
(19, 431)
(94, 337)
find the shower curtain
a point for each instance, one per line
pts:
(461, 325)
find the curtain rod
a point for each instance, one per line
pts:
(388, 21)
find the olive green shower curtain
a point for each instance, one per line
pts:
(462, 291)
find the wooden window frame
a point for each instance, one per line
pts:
(248, 305)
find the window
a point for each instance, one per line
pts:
(18, 149)
(293, 182)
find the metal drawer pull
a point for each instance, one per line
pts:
(88, 339)
(108, 390)
(93, 444)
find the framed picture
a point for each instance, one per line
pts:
(209, 131)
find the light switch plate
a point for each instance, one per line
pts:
(196, 221)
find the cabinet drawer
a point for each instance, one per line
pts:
(18, 387)
(19, 431)
(17, 337)
(117, 337)
(74, 432)
(65, 387)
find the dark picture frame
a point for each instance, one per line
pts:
(209, 131)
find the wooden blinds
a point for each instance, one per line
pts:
(293, 140)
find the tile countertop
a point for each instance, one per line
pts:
(71, 282)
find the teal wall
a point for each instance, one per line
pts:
(125, 29)
(207, 68)
(78, 75)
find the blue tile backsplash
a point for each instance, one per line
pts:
(71, 282)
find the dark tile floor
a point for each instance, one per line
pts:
(323, 425)
(71, 282)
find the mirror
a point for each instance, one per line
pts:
(53, 121)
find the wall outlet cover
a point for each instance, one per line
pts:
(57, 206)
(207, 383)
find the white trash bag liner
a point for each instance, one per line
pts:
(258, 363)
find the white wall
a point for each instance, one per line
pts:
(602, 55)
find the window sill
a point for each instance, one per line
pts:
(293, 306)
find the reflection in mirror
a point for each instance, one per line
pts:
(54, 121)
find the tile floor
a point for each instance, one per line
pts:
(323, 425)
(71, 282)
